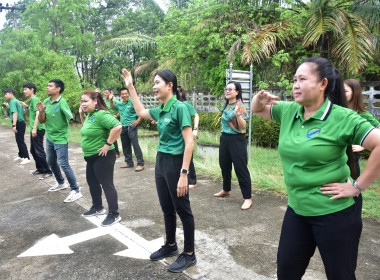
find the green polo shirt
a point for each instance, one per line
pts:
(171, 119)
(313, 153)
(229, 121)
(368, 116)
(113, 111)
(15, 107)
(96, 130)
(58, 115)
(127, 112)
(190, 108)
(32, 113)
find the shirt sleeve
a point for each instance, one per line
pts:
(108, 121)
(13, 107)
(191, 108)
(65, 109)
(183, 116)
(277, 111)
(154, 113)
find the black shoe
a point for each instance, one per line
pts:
(182, 262)
(164, 251)
(111, 219)
(36, 172)
(94, 212)
(45, 175)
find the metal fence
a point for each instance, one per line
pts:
(371, 97)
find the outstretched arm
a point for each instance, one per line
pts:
(262, 102)
(139, 107)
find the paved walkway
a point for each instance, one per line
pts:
(230, 243)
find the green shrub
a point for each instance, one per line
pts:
(265, 133)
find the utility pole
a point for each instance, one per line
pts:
(13, 9)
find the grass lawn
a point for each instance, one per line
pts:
(265, 165)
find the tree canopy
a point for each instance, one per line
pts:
(86, 43)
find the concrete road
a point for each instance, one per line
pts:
(41, 237)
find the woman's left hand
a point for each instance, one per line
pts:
(340, 190)
(104, 150)
(182, 185)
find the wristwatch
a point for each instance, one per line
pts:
(184, 171)
(13, 125)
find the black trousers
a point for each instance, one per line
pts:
(38, 152)
(192, 176)
(20, 140)
(128, 139)
(116, 147)
(167, 172)
(233, 149)
(99, 174)
(356, 163)
(336, 235)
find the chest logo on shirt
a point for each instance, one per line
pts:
(166, 120)
(312, 133)
(56, 109)
(93, 118)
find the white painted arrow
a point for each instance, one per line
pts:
(138, 247)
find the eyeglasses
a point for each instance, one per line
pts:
(229, 89)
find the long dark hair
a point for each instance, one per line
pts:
(182, 94)
(169, 77)
(92, 94)
(356, 102)
(239, 96)
(334, 92)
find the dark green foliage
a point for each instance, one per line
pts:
(265, 133)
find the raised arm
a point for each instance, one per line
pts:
(41, 109)
(262, 102)
(139, 107)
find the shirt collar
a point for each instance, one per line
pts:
(322, 113)
(168, 104)
(57, 100)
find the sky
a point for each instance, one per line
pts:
(162, 4)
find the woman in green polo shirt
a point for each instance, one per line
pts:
(355, 102)
(233, 144)
(99, 130)
(324, 209)
(174, 152)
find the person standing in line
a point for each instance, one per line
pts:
(192, 174)
(355, 102)
(18, 125)
(99, 130)
(37, 133)
(175, 148)
(233, 144)
(55, 113)
(130, 122)
(114, 112)
(324, 206)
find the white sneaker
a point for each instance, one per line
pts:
(25, 161)
(58, 187)
(18, 159)
(74, 195)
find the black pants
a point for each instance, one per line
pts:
(356, 163)
(167, 172)
(192, 176)
(336, 235)
(99, 174)
(116, 147)
(128, 139)
(233, 149)
(38, 152)
(20, 140)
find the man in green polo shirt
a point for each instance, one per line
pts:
(130, 122)
(37, 132)
(55, 113)
(18, 125)
(114, 112)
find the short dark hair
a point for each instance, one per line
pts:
(58, 83)
(109, 89)
(123, 88)
(30, 86)
(9, 90)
